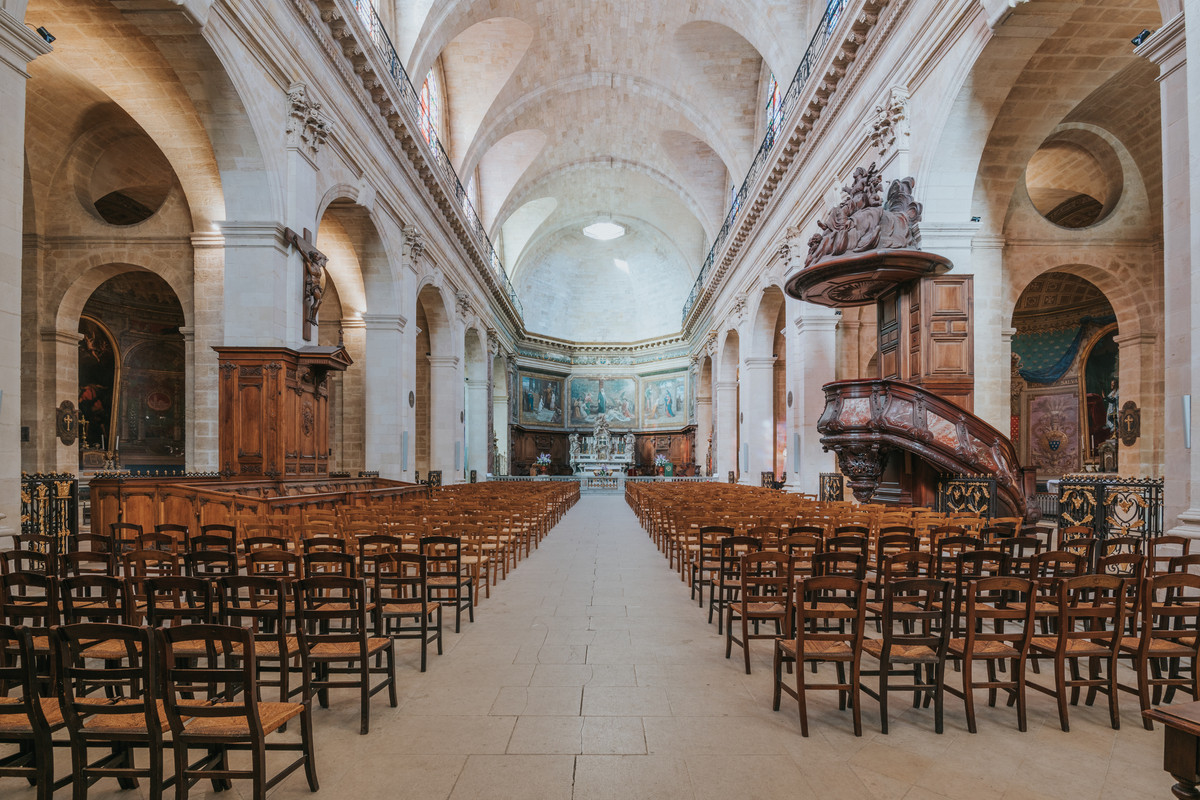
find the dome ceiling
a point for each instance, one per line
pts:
(566, 113)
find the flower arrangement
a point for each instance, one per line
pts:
(543, 460)
(661, 461)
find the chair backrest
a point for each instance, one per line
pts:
(209, 563)
(1188, 563)
(18, 674)
(179, 600)
(807, 528)
(1170, 609)
(210, 538)
(1121, 544)
(947, 548)
(1091, 608)
(157, 540)
(1070, 532)
(273, 563)
(331, 609)
(30, 599)
(916, 614)
(972, 565)
(251, 543)
(20, 560)
(214, 664)
(87, 562)
(890, 529)
(94, 598)
(908, 564)
(330, 562)
(851, 529)
(993, 613)
(443, 556)
(848, 543)
(829, 611)
(765, 577)
(254, 602)
(1085, 546)
(324, 544)
(400, 576)
(1054, 564)
(126, 674)
(843, 563)
(1163, 548)
(124, 535)
(140, 564)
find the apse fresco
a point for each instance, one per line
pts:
(540, 400)
(664, 401)
(614, 399)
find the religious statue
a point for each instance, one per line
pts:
(314, 277)
(862, 222)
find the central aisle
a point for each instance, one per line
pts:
(589, 674)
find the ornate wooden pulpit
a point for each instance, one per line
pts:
(274, 410)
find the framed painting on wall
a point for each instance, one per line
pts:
(1053, 440)
(540, 400)
(615, 399)
(664, 401)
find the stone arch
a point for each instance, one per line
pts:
(91, 275)
(766, 322)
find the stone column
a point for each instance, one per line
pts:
(356, 428)
(18, 46)
(725, 448)
(386, 394)
(59, 381)
(811, 364)
(1137, 366)
(758, 417)
(207, 332)
(445, 384)
(411, 260)
(259, 294)
(478, 432)
(1168, 48)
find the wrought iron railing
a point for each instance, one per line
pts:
(1112, 505)
(816, 47)
(832, 487)
(365, 11)
(967, 494)
(50, 504)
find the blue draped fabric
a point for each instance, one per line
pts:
(1046, 357)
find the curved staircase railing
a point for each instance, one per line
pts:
(865, 420)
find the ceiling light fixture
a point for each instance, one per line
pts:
(604, 231)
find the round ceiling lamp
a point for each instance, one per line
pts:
(604, 231)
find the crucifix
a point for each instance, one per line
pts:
(314, 277)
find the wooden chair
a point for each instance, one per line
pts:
(262, 605)
(214, 537)
(829, 614)
(209, 564)
(705, 559)
(920, 609)
(30, 599)
(27, 719)
(1021, 551)
(1090, 614)
(1162, 549)
(1170, 617)
(123, 536)
(765, 578)
(124, 720)
(836, 562)
(400, 596)
(211, 705)
(274, 563)
(177, 531)
(989, 602)
(331, 623)
(445, 577)
(727, 583)
(94, 598)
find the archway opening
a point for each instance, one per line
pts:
(131, 370)
(1064, 395)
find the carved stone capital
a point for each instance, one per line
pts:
(462, 301)
(414, 246)
(890, 129)
(307, 126)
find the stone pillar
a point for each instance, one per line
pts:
(1138, 373)
(355, 428)
(18, 46)
(386, 394)
(59, 381)
(758, 417)
(411, 260)
(478, 433)
(1168, 48)
(445, 392)
(811, 364)
(258, 293)
(207, 332)
(725, 448)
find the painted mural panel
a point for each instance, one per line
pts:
(1054, 432)
(615, 399)
(541, 400)
(664, 401)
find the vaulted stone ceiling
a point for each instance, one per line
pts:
(568, 112)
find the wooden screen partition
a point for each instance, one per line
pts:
(274, 410)
(196, 501)
(925, 336)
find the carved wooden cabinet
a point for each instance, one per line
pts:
(274, 410)
(925, 336)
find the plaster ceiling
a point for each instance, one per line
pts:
(645, 112)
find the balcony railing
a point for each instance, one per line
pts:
(816, 48)
(408, 94)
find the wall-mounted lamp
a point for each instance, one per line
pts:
(46, 35)
(1141, 37)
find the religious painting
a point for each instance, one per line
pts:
(664, 401)
(1101, 392)
(614, 399)
(1053, 444)
(540, 400)
(99, 375)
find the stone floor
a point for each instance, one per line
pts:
(588, 674)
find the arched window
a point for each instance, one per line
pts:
(431, 107)
(774, 115)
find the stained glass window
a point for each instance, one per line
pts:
(774, 108)
(431, 107)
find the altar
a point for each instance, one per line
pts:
(602, 452)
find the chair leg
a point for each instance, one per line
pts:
(1114, 706)
(856, 697)
(883, 698)
(1060, 693)
(801, 700)
(746, 643)
(364, 675)
(1018, 672)
(777, 666)
(969, 693)
(391, 668)
(258, 760)
(306, 739)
